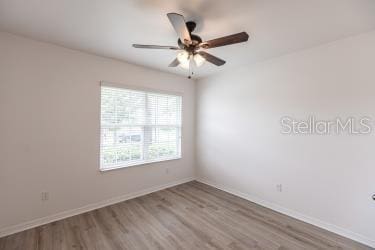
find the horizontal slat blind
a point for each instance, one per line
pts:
(138, 127)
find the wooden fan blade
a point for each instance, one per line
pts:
(174, 63)
(179, 25)
(226, 40)
(142, 46)
(212, 59)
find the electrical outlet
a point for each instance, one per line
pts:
(44, 196)
(167, 170)
(279, 188)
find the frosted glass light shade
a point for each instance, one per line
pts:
(183, 57)
(199, 60)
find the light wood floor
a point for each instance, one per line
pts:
(188, 216)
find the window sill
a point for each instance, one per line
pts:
(115, 167)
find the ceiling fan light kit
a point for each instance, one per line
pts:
(191, 47)
(185, 57)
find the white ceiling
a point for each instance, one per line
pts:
(109, 27)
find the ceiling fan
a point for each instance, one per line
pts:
(192, 47)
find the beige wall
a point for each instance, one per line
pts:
(327, 180)
(49, 127)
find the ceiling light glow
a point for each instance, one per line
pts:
(199, 60)
(185, 59)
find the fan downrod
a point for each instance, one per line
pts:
(191, 26)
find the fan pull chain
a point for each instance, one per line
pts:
(189, 76)
(191, 72)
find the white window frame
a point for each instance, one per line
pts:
(136, 88)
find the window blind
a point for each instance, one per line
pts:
(138, 127)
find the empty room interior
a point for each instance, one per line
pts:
(203, 124)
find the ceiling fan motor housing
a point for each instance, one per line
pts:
(194, 38)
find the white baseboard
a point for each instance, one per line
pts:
(327, 226)
(65, 214)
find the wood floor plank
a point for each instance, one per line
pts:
(264, 223)
(219, 227)
(189, 216)
(231, 219)
(289, 223)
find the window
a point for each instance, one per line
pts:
(138, 127)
